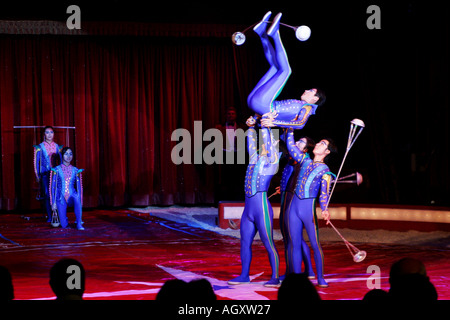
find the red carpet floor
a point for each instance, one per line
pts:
(128, 256)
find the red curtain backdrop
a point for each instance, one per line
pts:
(125, 96)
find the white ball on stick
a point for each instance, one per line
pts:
(303, 33)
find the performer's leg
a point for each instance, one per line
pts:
(78, 212)
(269, 52)
(262, 97)
(295, 227)
(248, 232)
(44, 185)
(264, 223)
(286, 198)
(306, 257)
(282, 228)
(62, 213)
(310, 222)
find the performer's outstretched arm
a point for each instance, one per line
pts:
(293, 150)
(305, 113)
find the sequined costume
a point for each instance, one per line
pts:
(286, 197)
(66, 190)
(258, 214)
(291, 113)
(309, 180)
(45, 156)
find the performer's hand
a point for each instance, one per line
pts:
(267, 122)
(251, 122)
(277, 189)
(326, 216)
(271, 115)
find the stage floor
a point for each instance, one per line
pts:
(128, 256)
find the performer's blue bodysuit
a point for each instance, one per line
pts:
(286, 198)
(44, 154)
(307, 180)
(291, 113)
(66, 189)
(258, 214)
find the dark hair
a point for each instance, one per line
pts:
(297, 287)
(64, 150)
(321, 95)
(310, 143)
(332, 147)
(47, 127)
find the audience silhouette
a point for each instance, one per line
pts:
(176, 290)
(6, 285)
(297, 288)
(67, 279)
(408, 282)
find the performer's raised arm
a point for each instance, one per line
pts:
(252, 144)
(298, 155)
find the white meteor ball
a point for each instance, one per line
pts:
(303, 33)
(238, 38)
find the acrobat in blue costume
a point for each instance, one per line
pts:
(258, 214)
(308, 178)
(290, 113)
(286, 198)
(66, 190)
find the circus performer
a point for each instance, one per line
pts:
(305, 145)
(66, 189)
(309, 180)
(258, 214)
(46, 156)
(290, 113)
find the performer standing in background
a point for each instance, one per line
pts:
(66, 189)
(46, 156)
(289, 113)
(309, 180)
(258, 214)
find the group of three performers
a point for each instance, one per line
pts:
(303, 179)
